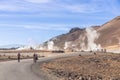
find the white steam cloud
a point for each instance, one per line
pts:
(82, 42)
(92, 36)
(50, 45)
(67, 45)
(119, 41)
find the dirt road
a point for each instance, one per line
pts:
(12, 70)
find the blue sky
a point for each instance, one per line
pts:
(35, 21)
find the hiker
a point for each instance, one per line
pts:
(35, 57)
(18, 57)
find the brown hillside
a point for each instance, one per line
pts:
(109, 36)
(110, 33)
(72, 36)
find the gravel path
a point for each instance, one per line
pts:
(12, 70)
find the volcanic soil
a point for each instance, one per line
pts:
(101, 66)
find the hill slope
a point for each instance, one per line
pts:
(104, 36)
(110, 33)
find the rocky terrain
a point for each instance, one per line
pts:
(90, 67)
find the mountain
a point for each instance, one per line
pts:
(105, 36)
(110, 33)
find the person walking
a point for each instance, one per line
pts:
(18, 57)
(34, 58)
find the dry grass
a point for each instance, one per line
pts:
(12, 57)
(23, 51)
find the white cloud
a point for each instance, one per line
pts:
(83, 8)
(42, 26)
(7, 7)
(13, 7)
(57, 5)
(39, 1)
(28, 6)
(58, 27)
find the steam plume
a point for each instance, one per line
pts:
(82, 44)
(67, 45)
(50, 45)
(92, 36)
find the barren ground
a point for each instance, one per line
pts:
(88, 67)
